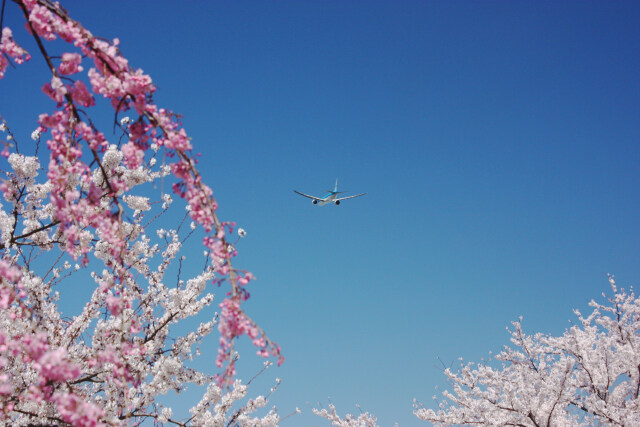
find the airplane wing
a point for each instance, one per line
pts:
(306, 195)
(349, 197)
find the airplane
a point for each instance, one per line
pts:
(330, 197)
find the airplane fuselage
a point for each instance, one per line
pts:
(328, 198)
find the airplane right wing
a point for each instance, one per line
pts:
(306, 195)
(349, 197)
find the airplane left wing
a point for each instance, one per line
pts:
(306, 195)
(349, 197)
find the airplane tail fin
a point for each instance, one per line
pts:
(335, 190)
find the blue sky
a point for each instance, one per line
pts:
(497, 142)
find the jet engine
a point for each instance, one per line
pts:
(337, 202)
(314, 201)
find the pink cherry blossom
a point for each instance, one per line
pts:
(75, 411)
(114, 304)
(133, 155)
(81, 95)
(55, 90)
(70, 63)
(9, 47)
(55, 367)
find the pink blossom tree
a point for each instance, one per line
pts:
(588, 376)
(87, 209)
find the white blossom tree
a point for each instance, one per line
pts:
(588, 376)
(77, 208)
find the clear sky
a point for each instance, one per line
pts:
(497, 143)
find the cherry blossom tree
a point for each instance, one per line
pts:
(588, 376)
(77, 207)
